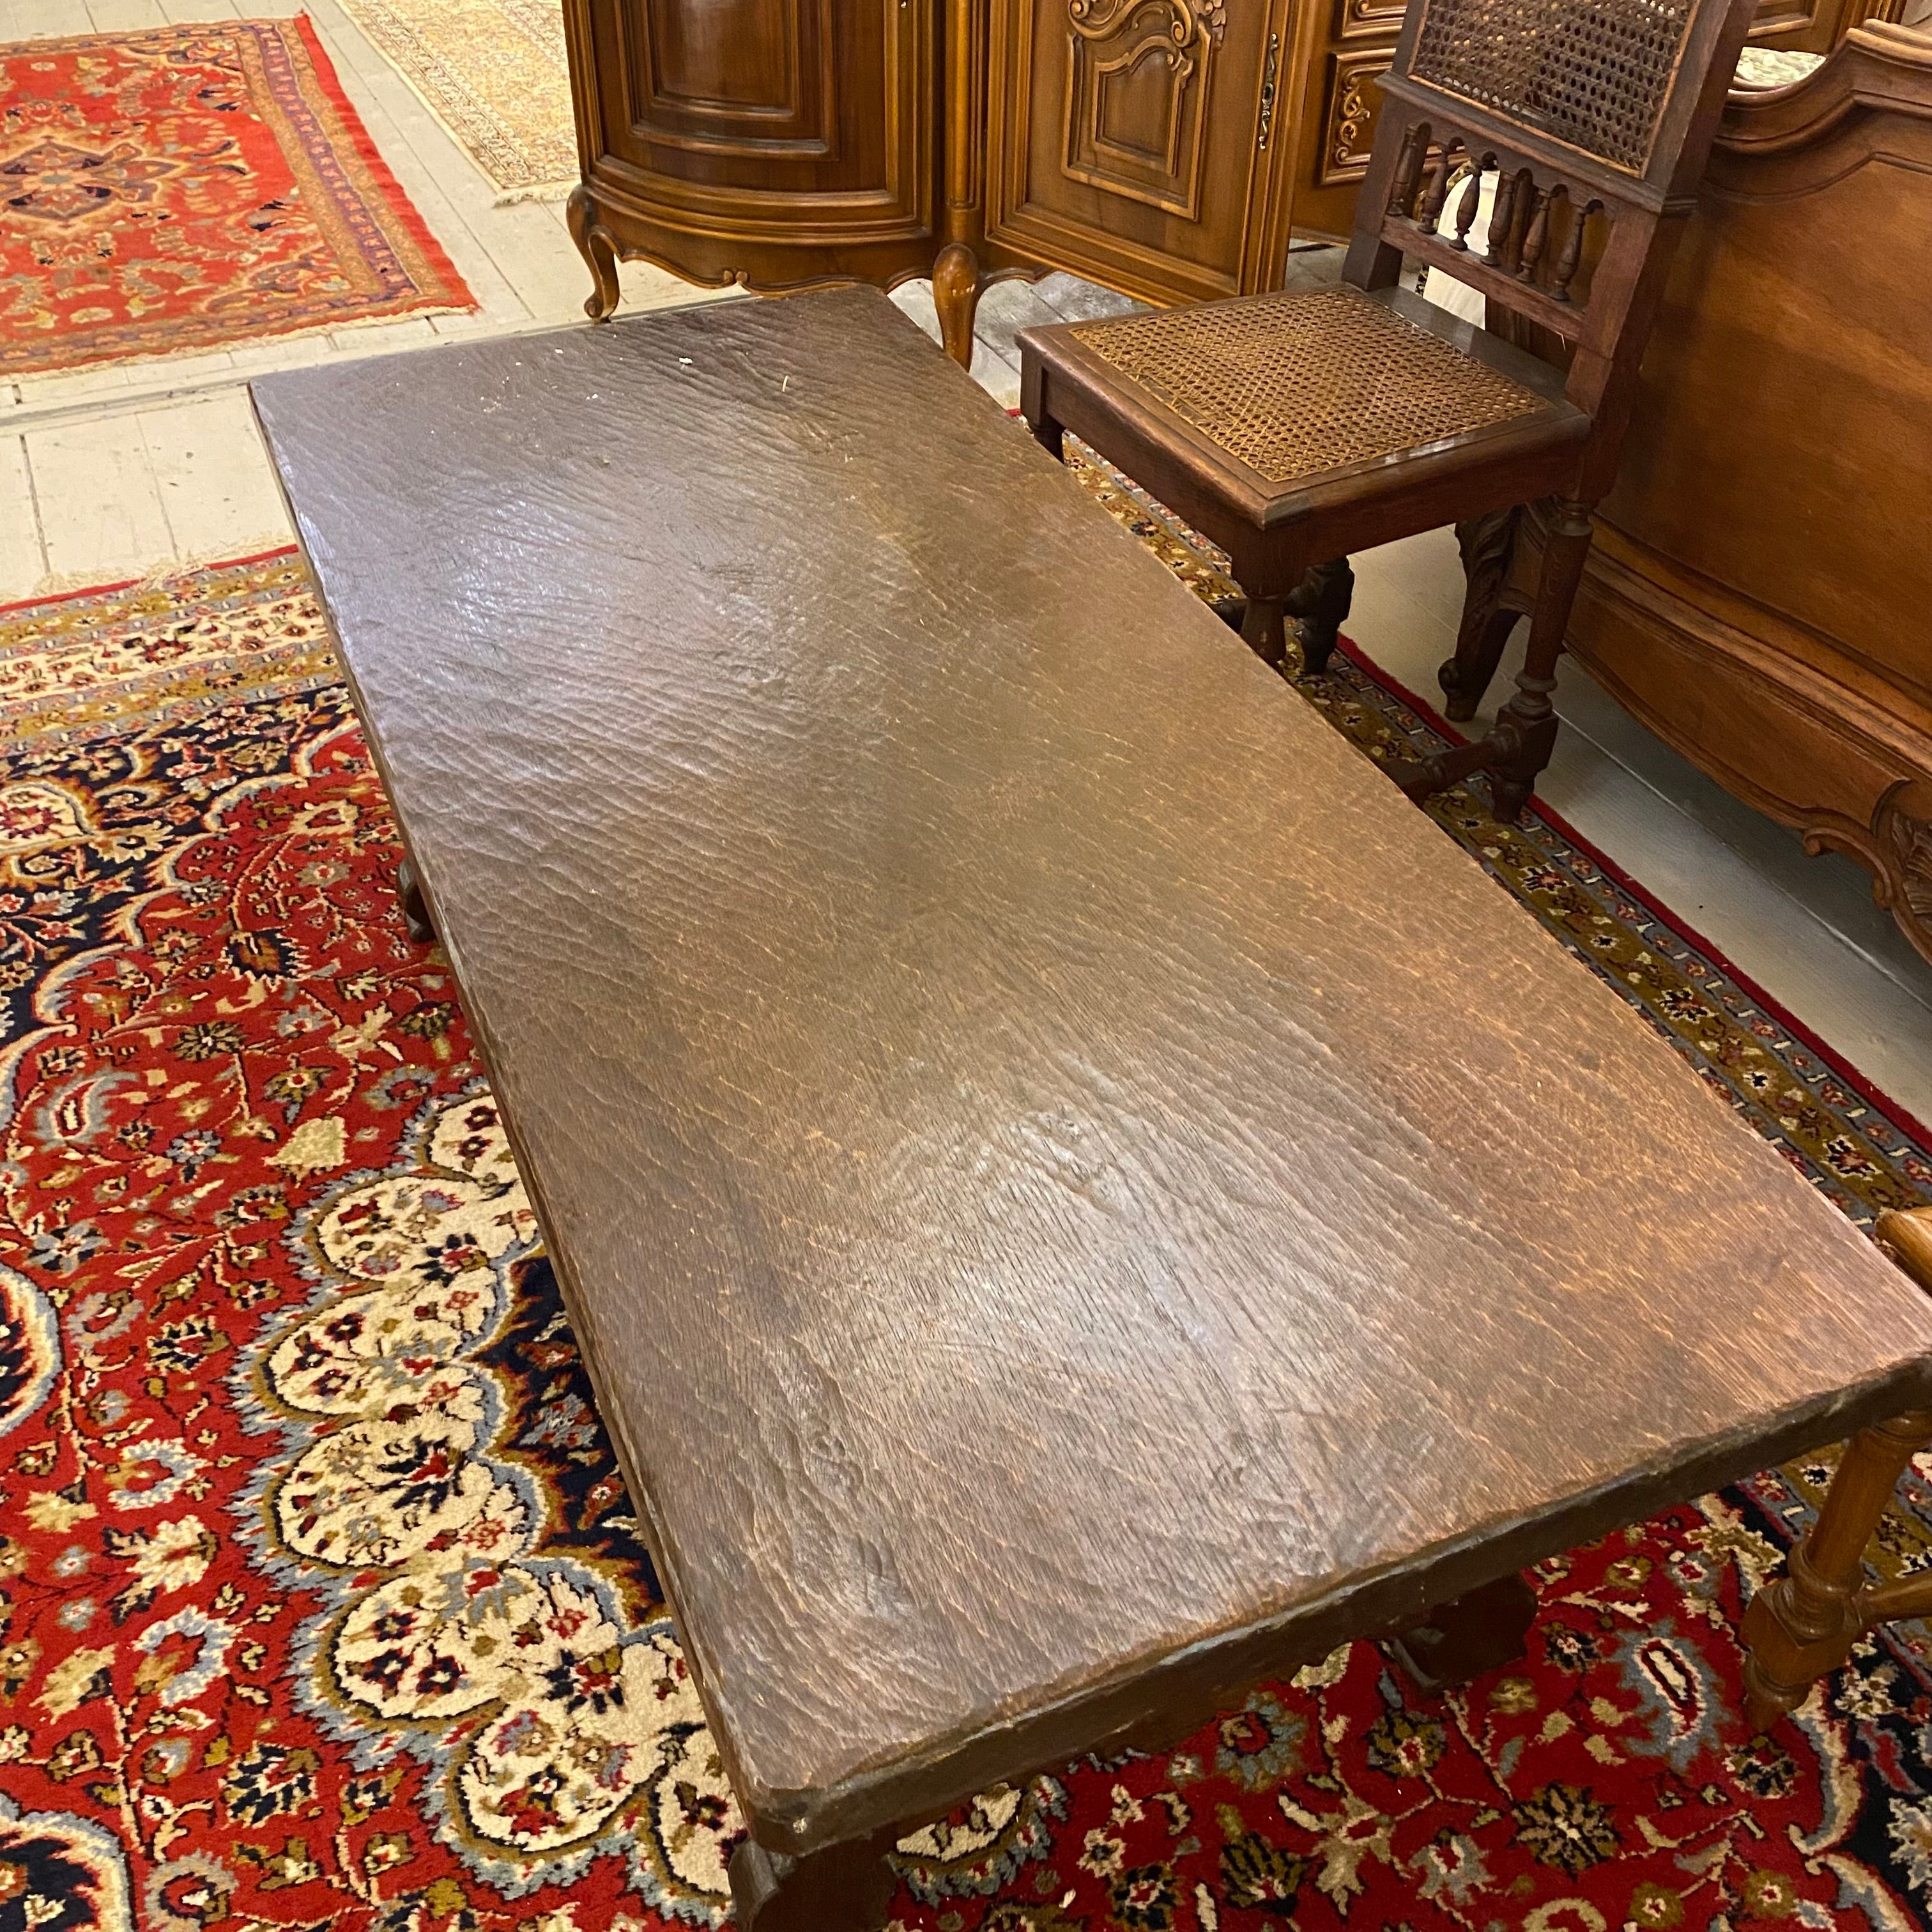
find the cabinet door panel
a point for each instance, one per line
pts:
(805, 110)
(1124, 137)
(743, 54)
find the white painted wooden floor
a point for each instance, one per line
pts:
(119, 473)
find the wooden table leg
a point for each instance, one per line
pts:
(843, 1888)
(1481, 1629)
(1803, 1626)
(416, 908)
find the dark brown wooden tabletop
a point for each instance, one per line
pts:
(1073, 1192)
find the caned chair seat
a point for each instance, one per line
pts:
(1271, 398)
(1293, 385)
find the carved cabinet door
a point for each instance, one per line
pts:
(1353, 42)
(775, 141)
(1137, 142)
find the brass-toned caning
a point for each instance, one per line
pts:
(1292, 384)
(1595, 78)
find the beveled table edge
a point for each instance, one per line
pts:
(1160, 1700)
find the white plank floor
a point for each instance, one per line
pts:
(118, 473)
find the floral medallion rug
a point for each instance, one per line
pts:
(320, 1600)
(193, 188)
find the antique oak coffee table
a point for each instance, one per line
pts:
(1074, 1195)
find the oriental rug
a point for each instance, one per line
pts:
(495, 73)
(321, 1602)
(194, 187)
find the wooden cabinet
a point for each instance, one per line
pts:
(1166, 147)
(746, 139)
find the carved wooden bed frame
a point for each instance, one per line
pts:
(1760, 593)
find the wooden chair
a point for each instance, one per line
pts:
(1292, 428)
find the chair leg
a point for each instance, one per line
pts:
(1531, 715)
(1322, 601)
(1803, 1626)
(1517, 747)
(1265, 629)
(1041, 420)
(1488, 544)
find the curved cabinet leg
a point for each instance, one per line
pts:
(955, 294)
(845, 1888)
(599, 253)
(1802, 1627)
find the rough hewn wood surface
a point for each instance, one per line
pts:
(1072, 1190)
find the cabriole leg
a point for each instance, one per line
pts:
(955, 294)
(599, 253)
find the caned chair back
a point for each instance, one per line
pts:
(1597, 116)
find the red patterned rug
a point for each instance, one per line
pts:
(320, 1603)
(190, 188)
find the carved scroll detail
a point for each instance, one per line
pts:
(1096, 20)
(1127, 133)
(1908, 839)
(1355, 115)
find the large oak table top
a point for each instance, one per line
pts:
(1073, 1193)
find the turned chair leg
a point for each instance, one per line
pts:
(1517, 747)
(1322, 601)
(1803, 1627)
(844, 1889)
(1488, 545)
(1528, 720)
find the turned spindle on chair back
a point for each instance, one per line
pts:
(1595, 114)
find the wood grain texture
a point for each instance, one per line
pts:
(1072, 1192)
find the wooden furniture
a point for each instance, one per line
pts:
(995, 1072)
(1291, 429)
(1759, 591)
(1804, 1625)
(1164, 148)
